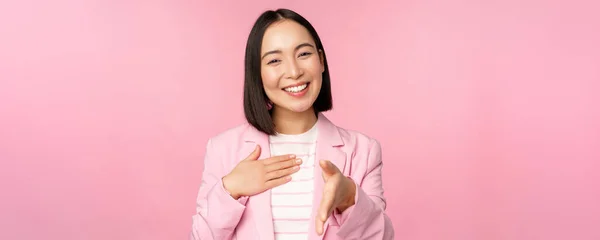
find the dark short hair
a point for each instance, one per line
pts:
(255, 98)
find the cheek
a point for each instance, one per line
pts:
(317, 75)
(316, 88)
(315, 69)
(270, 79)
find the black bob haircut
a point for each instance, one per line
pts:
(255, 98)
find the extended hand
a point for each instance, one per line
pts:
(338, 193)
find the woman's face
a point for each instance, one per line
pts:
(291, 66)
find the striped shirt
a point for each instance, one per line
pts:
(291, 203)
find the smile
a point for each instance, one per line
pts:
(296, 89)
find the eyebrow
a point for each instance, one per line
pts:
(296, 48)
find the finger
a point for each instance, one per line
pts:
(282, 173)
(328, 168)
(283, 165)
(322, 215)
(326, 205)
(254, 155)
(280, 158)
(319, 226)
(277, 182)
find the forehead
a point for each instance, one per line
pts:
(284, 35)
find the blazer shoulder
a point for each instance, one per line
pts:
(230, 135)
(356, 137)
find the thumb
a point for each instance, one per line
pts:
(328, 168)
(254, 155)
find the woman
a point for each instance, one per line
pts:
(289, 173)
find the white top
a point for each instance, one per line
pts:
(291, 203)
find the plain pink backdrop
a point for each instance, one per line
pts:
(488, 111)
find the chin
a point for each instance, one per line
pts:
(300, 108)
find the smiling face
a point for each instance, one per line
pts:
(291, 67)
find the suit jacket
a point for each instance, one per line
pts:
(219, 216)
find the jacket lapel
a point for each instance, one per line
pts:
(328, 142)
(260, 204)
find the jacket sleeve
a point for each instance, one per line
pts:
(367, 219)
(217, 213)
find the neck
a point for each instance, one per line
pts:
(288, 122)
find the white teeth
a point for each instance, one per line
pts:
(296, 88)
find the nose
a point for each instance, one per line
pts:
(294, 71)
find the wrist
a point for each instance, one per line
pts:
(228, 189)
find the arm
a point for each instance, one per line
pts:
(367, 219)
(217, 213)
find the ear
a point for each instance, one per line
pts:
(322, 59)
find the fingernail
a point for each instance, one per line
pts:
(296, 167)
(298, 160)
(292, 156)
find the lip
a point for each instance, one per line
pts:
(298, 94)
(295, 85)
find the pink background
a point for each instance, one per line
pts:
(488, 111)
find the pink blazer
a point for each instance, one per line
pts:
(218, 216)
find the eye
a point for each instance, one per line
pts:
(273, 61)
(305, 54)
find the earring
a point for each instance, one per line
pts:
(269, 105)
